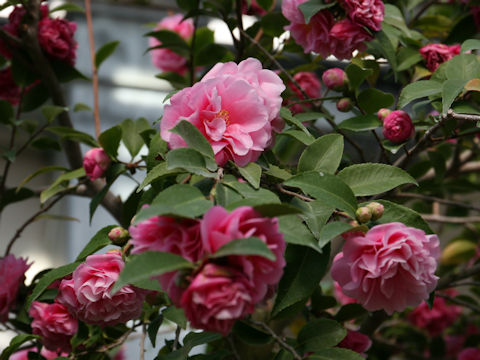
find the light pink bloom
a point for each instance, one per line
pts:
(368, 13)
(166, 59)
(12, 275)
(313, 36)
(356, 341)
(167, 234)
(220, 227)
(310, 84)
(96, 162)
(470, 353)
(87, 294)
(47, 354)
(54, 324)
(347, 36)
(56, 38)
(389, 268)
(398, 126)
(335, 79)
(235, 107)
(217, 297)
(437, 319)
(341, 297)
(436, 54)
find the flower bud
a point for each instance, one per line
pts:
(376, 210)
(363, 214)
(398, 126)
(95, 163)
(383, 113)
(344, 104)
(335, 79)
(458, 252)
(118, 236)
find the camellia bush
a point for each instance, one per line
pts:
(288, 207)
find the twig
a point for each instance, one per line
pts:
(96, 111)
(459, 302)
(437, 199)
(382, 148)
(288, 192)
(451, 219)
(177, 338)
(277, 338)
(142, 341)
(465, 117)
(447, 281)
(466, 283)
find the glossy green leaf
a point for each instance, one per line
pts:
(193, 137)
(319, 334)
(184, 199)
(171, 40)
(336, 354)
(286, 114)
(311, 7)
(371, 100)
(360, 123)
(153, 327)
(39, 172)
(357, 75)
(398, 213)
(324, 154)
(245, 246)
(110, 140)
(450, 90)
(156, 173)
(50, 112)
(15, 343)
(296, 232)
(66, 177)
(176, 315)
(189, 159)
(97, 242)
(332, 230)
(66, 133)
(131, 134)
(104, 52)
(417, 90)
(252, 173)
(299, 135)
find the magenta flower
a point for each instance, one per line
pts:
(389, 268)
(398, 126)
(96, 162)
(367, 13)
(436, 54)
(469, 353)
(347, 36)
(356, 341)
(12, 275)
(47, 354)
(235, 107)
(56, 38)
(310, 84)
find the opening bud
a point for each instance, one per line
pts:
(376, 210)
(363, 214)
(119, 236)
(335, 79)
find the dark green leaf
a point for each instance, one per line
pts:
(335, 354)
(56, 186)
(210, 54)
(110, 140)
(39, 172)
(171, 40)
(156, 173)
(104, 52)
(398, 213)
(175, 315)
(98, 241)
(350, 312)
(371, 100)
(131, 134)
(245, 246)
(272, 210)
(319, 334)
(184, 199)
(189, 159)
(332, 230)
(273, 23)
(311, 7)
(15, 343)
(250, 335)
(153, 328)
(357, 75)
(360, 123)
(50, 112)
(66, 133)
(324, 154)
(34, 98)
(450, 90)
(6, 112)
(289, 118)
(296, 232)
(252, 173)
(46, 143)
(299, 135)
(193, 137)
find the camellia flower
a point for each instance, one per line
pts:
(470, 353)
(340, 296)
(356, 341)
(398, 126)
(235, 107)
(310, 84)
(217, 297)
(389, 268)
(54, 324)
(253, 8)
(368, 13)
(220, 227)
(347, 36)
(9, 90)
(87, 294)
(167, 234)
(166, 59)
(47, 354)
(437, 319)
(12, 274)
(96, 162)
(56, 38)
(436, 54)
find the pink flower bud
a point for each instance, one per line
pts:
(344, 104)
(95, 163)
(335, 79)
(12, 275)
(398, 126)
(363, 214)
(383, 113)
(356, 341)
(376, 210)
(118, 236)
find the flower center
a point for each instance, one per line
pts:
(223, 114)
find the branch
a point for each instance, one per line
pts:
(142, 342)
(451, 219)
(447, 281)
(458, 301)
(291, 193)
(177, 337)
(439, 200)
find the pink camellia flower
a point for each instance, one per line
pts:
(347, 36)
(335, 79)
(368, 13)
(47, 354)
(310, 84)
(437, 319)
(313, 36)
(96, 162)
(9, 90)
(12, 274)
(389, 268)
(355, 341)
(217, 297)
(470, 353)
(398, 126)
(220, 227)
(235, 107)
(167, 234)
(54, 324)
(56, 38)
(166, 59)
(87, 294)
(340, 296)
(436, 54)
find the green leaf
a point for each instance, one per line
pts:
(249, 334)
(50, 112)
(417, 90)
(407, 57)
(371, 179)
(184, 199)
(324, 154)
(464, 66)
(450, 90)
(394, 17)
(245, 246)
(66, 133)
(39, 172)
(193, 137)
(11, 196)
(252, 173)
(98, 241)
(15, 343)
(387, 48)
(299, 135)
(110, 140)
(81, 107)
(335, 354)
(153, 328)
(55, 187)
(273, 23)
(311, 7)
(34, 97)
(398, 213)
(46, 143)
(332, 230)
(371, 100)
(296, 232)
(360, 123)
(278, 172)
(302, 274)
(326, 188)
(6, 112)
(156, 173)
(357, 75)
(315, 214)
(172, 41)
(48, 278)
(189, 159)
(210, 54)
(131, 134)
(151, 263)
(69, 7)
(272, 210)
(104, 52)
(350, 312)
(175, 315)
(319, 334)
(286, 114)
(470, 44)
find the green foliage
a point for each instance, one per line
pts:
(245, 246)
(97, 242)
(324, 154)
